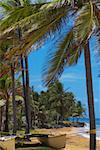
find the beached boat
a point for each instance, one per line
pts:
(54, 141)
(7, 143)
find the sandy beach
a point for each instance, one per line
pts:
(79, 143)
(73, 141)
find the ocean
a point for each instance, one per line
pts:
(83, 130)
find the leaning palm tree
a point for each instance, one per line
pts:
(35, 23)
(69, 50)
(30, 36)
(77, 38)
(12, 4)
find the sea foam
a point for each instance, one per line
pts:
(84, 131)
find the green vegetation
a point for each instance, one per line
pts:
(54, 105)
(25, 26)
(47, 109)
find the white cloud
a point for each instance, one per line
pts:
(72, 77)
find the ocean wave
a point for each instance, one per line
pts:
(84, 132)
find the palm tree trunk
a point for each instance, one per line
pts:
(90, 96)
(62, 106)
(13, 98)
(6, 121)
(0, 118)
(3, 118)
(24, 92)
(27, 90)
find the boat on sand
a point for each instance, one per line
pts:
(54, 141)
(7, 143)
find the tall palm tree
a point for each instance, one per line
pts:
(6, 93)
(25, 81)
(13, 97)
(77, 38)
(3, 49)
(13, 5)
(69, 51)
(25, 86)
(4, 46)
(8, 69)
(12, 68)
(30, 36)
(27, 90)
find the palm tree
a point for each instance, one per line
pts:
(5, 96)
(20, 47)
(3, 49)
(6, 93)
(57, 98)
(13, 5)
(79, 111)
(69, 51)
(13, 97)
(25, 100)
(25, 83)
(27, 90)
(60, 100)
(11, 67)
(35, 24)
(77, 38)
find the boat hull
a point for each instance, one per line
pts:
(54, 141)
(8, 144)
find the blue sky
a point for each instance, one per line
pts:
(73, 78)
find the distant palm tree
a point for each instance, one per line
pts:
(3, 49)
(79, 111)
(6, 92)
(5, 96)
(61, 101)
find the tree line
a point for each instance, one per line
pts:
(47, 109)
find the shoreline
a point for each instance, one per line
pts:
(87, 136)
(74, 141)
(84, 133)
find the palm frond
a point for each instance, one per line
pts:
(37, 35)
(84, 24)
(6, 7)
(16, 16)
(96, 14)
(32, 14)
(67, 54)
